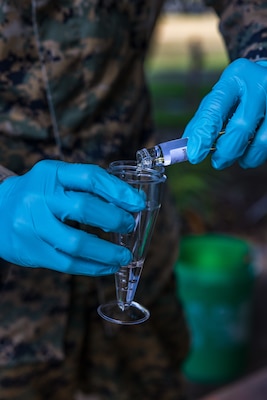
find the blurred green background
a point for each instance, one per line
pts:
(186, 58)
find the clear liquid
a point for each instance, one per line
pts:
(137, 242)
(127, 279)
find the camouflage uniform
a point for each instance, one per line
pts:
(243, 27)
(72, 86)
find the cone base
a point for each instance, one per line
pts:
(132, 314)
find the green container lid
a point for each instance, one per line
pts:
(213, 257)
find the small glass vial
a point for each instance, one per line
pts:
(167, 153)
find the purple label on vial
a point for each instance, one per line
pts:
(178, 155)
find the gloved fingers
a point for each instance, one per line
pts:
(77, 266)
(203, 130)
(62, 262)
(256, 153)
(91, 210)
(242, 87)
(240, 129)
(92, 268)
(93, 179)
(78, 243)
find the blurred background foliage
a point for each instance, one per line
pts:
(186, 58)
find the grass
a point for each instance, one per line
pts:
(173, 101)
(168, 63)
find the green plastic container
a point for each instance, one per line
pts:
(215, 284)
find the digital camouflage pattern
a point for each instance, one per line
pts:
(87, 56)
(72, 86)
(243, 27)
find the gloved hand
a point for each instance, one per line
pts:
(242, 86)
(34, 206)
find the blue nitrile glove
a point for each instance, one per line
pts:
(242, 85)
(34, 206)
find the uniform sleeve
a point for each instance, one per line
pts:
(243, 25)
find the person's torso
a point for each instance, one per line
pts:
(72, 73)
